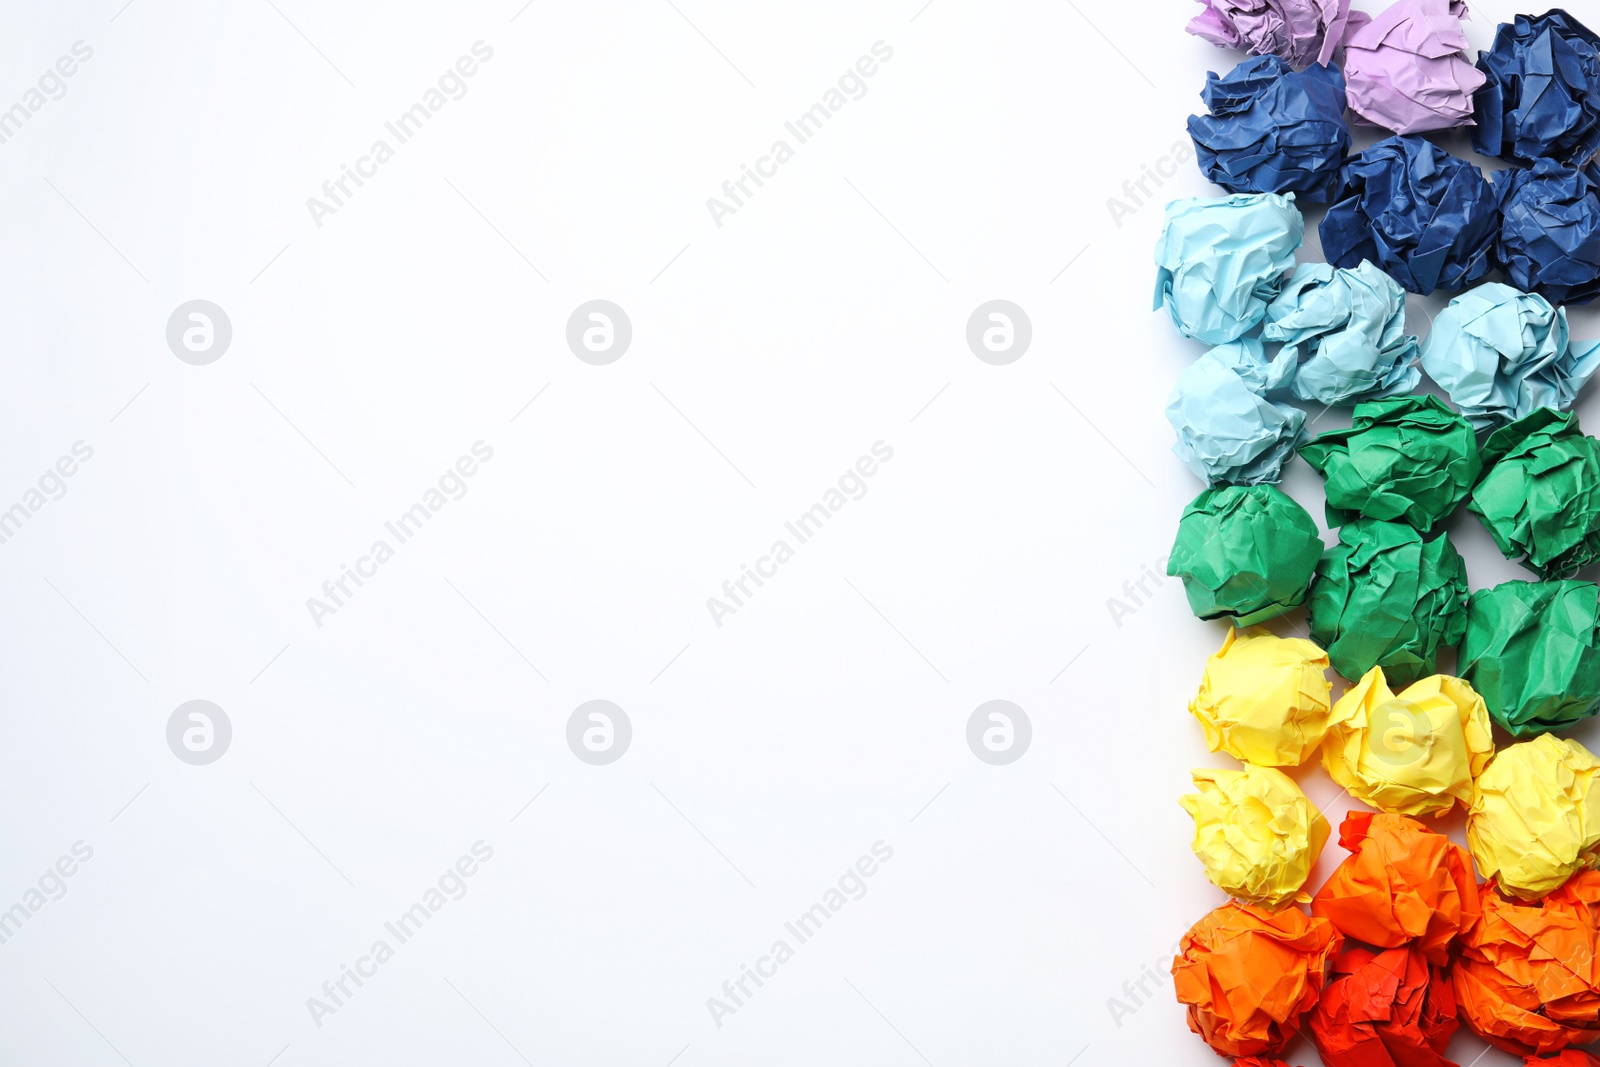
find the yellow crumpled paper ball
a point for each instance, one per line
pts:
(1412, 754)
(1264, 699)
(1256, 833)
(1535, 815)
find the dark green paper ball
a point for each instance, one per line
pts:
(1245, 553)
(1408, 459)
(1539, 496)
(1532, 650)
(1386, 598)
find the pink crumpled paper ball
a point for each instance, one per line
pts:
(1300, 32)
(1406, 69)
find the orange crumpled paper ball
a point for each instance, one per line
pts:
(1401, 883)
(1528, 980)
(1259, 1061)
(1248, 975)
(1388, 1008)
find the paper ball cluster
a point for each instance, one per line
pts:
(1402, 944)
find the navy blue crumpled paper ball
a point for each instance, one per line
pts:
(1427, 218)
(1550, 234)
(1542, 98)
(1273, 130)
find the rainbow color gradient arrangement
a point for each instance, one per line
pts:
(1403, 943)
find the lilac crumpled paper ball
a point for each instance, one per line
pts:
(1550, 237)
(1301, 32)
(1542, 97)
(1229, 433)
(1427, 218)
(1272, 130)
(1406, 69)
(1346, 332)
(1501, 354)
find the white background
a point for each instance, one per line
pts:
(768, 354)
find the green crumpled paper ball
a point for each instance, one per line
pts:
(1245, 553)
(1409, 459)
(1539, 496)
(1386, 598)
(1532, 651)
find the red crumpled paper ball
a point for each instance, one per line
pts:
(1388, 1008)
(1528, 979)
(1248, 975)
(1569, 1057)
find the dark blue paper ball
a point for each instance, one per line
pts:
(1542, 98)
(1424, 216)
(1273, 130)
(1550, 234)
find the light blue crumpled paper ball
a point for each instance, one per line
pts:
(1502, 354)
(1221, 260)
(1228, 432)
(1347, 331)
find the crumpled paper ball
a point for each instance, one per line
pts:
(1248, 975)
(1245, 553)
(1502, 354)
(1347, 331)
(1413, 754)
(1427, 218)
(1408, 459)
(1532, 650)
(1407, 68)
(1542, 96)
(1255, 833)
(1550, 230)
(1567, 1057)
(1539, 496)
(1386, 598)
(1272, 130)
(1402, 883)
(1535, 818)
(1221, 260)
(1527, 980)
(1300, 31)
(1389, 1008)
(1228, 432)
(1264, 699)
